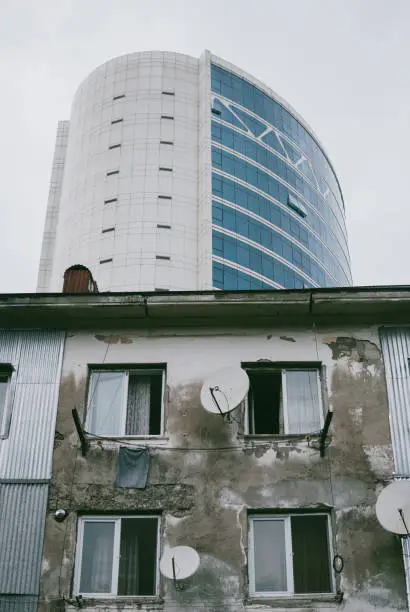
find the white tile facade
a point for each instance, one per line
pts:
(136, 209)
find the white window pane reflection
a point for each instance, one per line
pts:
(97, 557)
(303, 405)
(106, 403)
(269, 556)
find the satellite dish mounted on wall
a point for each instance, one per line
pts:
(224, 390)
(179, 563)
(393, 507)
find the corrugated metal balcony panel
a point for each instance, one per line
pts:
(396, 353)
(37, 355)
(27, 452)
(10, 344)
(40, 357)
(18, 603)
(22, 515)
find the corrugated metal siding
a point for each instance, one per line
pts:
(22, 513)
(40, 357)
(27, 452)
(396, 352)
(10, 342)
(18, 603)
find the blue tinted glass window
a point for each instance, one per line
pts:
(287, 174)
(241, 92)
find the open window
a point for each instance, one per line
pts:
(6, 372)
(125, 402)
(283, 400)
(117, 556)
(289, 554)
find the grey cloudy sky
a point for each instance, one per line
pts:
(342, 64)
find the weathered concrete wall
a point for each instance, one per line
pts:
(205, 491)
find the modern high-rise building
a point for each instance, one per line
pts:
(177, 173)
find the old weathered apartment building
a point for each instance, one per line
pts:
(279, 507)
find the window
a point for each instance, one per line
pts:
(6, 371)
(104, 261)
(163, 226)
(165, 169)
(166, 257)
(119, 97)
(115, 146)
(296, 205)
(289, 554)
(117, 556)
(284, 400)
(167, 117)
(164, 197)
(110, 200)
(107, 230)
(112, 172)
(114, 121)
(125, 402)
(168, 93)
(166, 142)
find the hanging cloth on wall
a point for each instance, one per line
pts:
(132, 468)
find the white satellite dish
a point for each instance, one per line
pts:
(224, 390)
(179, 563)
(393, 507)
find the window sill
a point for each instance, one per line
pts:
(279, 437)
(292, 601)
(136, 441)
(119, 602)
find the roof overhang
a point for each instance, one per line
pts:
(372, 305)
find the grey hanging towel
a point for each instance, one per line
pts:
(132, 468)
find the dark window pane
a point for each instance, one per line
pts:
(4, 382)
(155, 404)
(144, 404)
(138, 555)
(265, 411)
(311, 565)
(138, 405)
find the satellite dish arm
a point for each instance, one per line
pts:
(212, 389)
(403, 520)
(173, 570)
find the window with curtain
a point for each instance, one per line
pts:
(125, 402)
(289, 554)
(117, 556)
(284, 401)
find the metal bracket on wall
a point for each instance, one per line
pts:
(324, 432)
(85, 445)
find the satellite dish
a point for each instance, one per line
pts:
(393, 507)
(179, 563)
(224, 390)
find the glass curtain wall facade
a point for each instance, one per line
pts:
(277, 208)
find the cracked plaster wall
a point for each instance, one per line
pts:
(204, 495)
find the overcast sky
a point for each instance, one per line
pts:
(344, 65)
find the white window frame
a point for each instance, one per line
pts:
(284, 397)
(7, 409)
(288, 555)
(126, 372)
(116, 555)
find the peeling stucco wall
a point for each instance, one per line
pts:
(205, 490)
